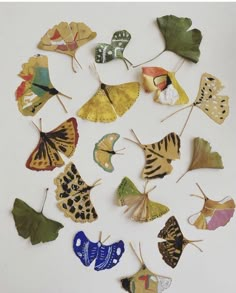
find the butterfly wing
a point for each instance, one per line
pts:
(163, 283)
(62, 139)
(109, 255)
(208, 100)
(123, 96)
(103, 151)
(159, 156)
(73, 196)
(156, 210)
(98, 109)
(66, 38)
(214, 214)
(172, 248)
(85, 249)
(36, 89)
(127, 189)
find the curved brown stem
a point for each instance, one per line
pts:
(182, 176)
(134, 66)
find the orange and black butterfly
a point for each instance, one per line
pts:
(63, 139)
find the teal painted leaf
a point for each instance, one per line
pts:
(107, 52)
(178, 38)
(35, 225)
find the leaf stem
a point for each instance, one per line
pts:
(60, 101)
(134, 66)
(179, 110)
(182, 176)
(44, 199)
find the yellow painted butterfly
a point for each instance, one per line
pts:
(110, 101)
(143, 209)
(174, 244)
(159, 155)
(62, 139)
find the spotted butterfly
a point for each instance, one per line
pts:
(105, 256)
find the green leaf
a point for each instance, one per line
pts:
(107, 52)
(30, 223)
(125, 188)
(178, 38)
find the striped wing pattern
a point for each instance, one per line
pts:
(172, 248)
(159, 156)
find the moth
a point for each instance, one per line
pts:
(159, 155)
(174, 244)
(142, 208)
(104, 150)
(144, 280)
(63, 139)
(73, 195)
(105, 256)
(214, 214)
(208, 100)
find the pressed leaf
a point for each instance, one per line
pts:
(107, 52)
(203, 157)
(35, 225)
(178, 38)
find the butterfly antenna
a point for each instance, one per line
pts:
(186, 120)
(106, 239)
(97, 182)
(196, 195)
(46, 194)
(117, 152)
(36, 126)
(63, 106)
(72, 65)
(140, 252)
(100, 236)
(127, 66)
(151, 189)
(134, 251)
(167, 117)
(145, 186)
(134, 66)
(76, 60)
(203, 193)
(192, 242)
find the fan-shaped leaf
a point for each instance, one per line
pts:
(178, 38)
(35, 225)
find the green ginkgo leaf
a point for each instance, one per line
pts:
(107, 52)
(35, 225)
(178, 38)
(203, 157)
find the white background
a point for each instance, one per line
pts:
(53, 267)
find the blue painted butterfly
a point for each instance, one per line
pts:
(105, 256)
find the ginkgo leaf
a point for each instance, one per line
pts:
(35, 225)
(203, 157)
(178, 38)
(107, 52)
(66, 38)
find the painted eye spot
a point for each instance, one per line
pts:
(78, 242)
(79, 254)
(111, 138)
(106, 165)
(109, 52)
(118, 251)
(115, 261)
(120, 44)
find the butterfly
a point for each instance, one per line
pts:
(110, 101)
(63, 139)
(103, 151)
(73, 195)
(107, 52)
(66, 38)
(174, 244)
(105, 256)
(145, 281)
(208, 100)
(167, 89)
(143, 209)
(159, 155)
(36, 89)
(214, 214)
